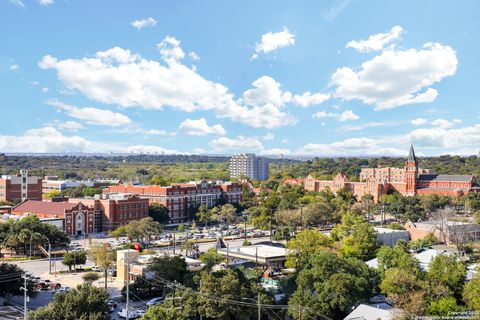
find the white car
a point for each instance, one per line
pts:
(155, 301)
(132, 314)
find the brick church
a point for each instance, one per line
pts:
(409, 181)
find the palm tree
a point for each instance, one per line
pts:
(35, 237)
(24, 237)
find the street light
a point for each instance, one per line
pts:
(24, 288)
(245, 229)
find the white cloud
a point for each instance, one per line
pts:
(350, 147)
(148, 149)
(200, 127)
(373, 124)
(14, 67)
(44, 140)
(93, 115)
(51, 140)
(44, 89)
(273, 41)
(275, 151)
(377, 41)
(347, 115)
(266, 90)
(419, 121)
(154, 132)
(72, 126)
(117, 76)
(142, 23)
(309, 99)
(460, 140)
(194, 56)
(170, 50)
(46, 2)
(444, 124)
(268, 137)
(241, 143)
(198, 151)
(397, 77)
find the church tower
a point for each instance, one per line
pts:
(411, 173)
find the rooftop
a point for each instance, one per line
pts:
(260, 250)
(445, 177)
(379, 311)
(36, 206)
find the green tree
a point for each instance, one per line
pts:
(471, 293)
(405, 290)
(330, 285)
(210, 258)
(74, 258)
(119, 232)
(446, 276)
(358, 238)
(169, 268)
(159, 213)
(104, 256)
(203, 214)
(159, 312)
(11, 281)
(85, 302)
(397, 257)
(305, 244)
(444, 306)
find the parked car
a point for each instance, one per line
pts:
(112, 305)
(63, 289)
(112, 272)
(132, 314)
(155, 301)
(42, 286)
(55, 285)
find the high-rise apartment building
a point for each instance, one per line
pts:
(249, 165)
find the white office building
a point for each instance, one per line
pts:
(249, 165)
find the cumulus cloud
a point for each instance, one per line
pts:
(194, 56)
(445, 124)
(117, 76)
(419, 121)
(350, 147)
(309, 99)
(373, 124)
(241, 143)
(72, 126)
(465, 138)
(275, 151)
(200, 127)
(170, 50)
(50, 140)
(397, 77)
(347, 115)
(377, 41)
(14, 67)
(272, 41)
(142, 23)
(92, 115)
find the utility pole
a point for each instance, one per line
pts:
(259, 309)
(49, 256)
(24, 288)
(174, 242)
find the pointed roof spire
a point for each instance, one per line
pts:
(411, 155)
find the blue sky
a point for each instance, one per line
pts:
(321, 78)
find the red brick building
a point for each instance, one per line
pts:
(179, 198)
(409, 181)
(84, 216)
(20, 187)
